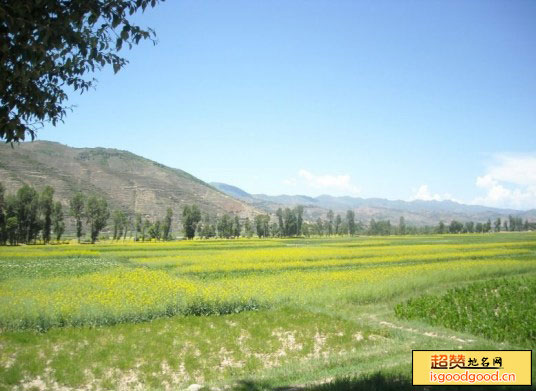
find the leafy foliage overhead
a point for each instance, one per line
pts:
(47, 48)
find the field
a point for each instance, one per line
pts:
(332, 313)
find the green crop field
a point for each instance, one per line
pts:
(319, 314)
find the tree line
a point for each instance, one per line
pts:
(512, 224)
(29, 215)
(290, 223)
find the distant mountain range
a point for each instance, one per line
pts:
(127, 181)
(417, 212)
(139, 185)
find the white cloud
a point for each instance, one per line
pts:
(518, 170)
(510, 182)
(423, 193)
(290, 182)
(330, 184)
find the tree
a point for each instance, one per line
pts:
(511, 223)
(279, 214)
(455, 227)
(47, 48)
(262, 225)
(208, 230)
(319, 227)
(191, 215)
(236, 227)
(380, 227)
(46, 205)
(272, 229)
(359, 226)
(441, 228)
(58, 225)
(3, 217)
(306, 230)
(350, 221)
(97, 215)
(77, 211)
(155, 230)
(225, 226)
(402, 226)
(469, 227)
(119, 220)
(338, 223)
(498, 225)
(290, 222)
(137, 226)
(248, 229)
(126, 226)
(166, 227)
(27, 209)
(12, 224)
(330, 222)
(145, 228)
(299, 219)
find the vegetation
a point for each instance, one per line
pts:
(151, 281)
(296, 310)
(496, 309)
(43, 55)
(120, 222)
(191, 215)
(24, 216)
(77, 211)
(27, 213)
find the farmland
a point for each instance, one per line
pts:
(273, 312)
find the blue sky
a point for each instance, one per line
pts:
(392, 99)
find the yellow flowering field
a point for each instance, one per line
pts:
(118, 282)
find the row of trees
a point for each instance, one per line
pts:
(286, 223)
(141, 228)
(512, 224)
(289, 223)
(27, 214)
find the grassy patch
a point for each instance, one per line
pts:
(500, 309)
(39, 267)
(181, 350)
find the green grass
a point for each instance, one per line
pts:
(54, 267)
(501, 309)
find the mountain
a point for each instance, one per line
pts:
(139, 185)
(418, 212)
(127, 181)
(233, 191)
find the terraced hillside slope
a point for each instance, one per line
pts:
(127, 181)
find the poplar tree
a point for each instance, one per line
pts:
(166, 228)
(58, 225)
(350, 221)
(191, 215)
(97, 215)
(77, 211)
